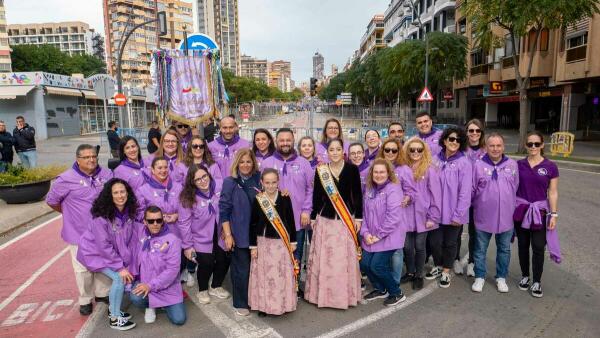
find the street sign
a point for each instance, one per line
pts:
(345, 98)
(198, 41)
(120, 99)
(425, 96)
(104, 87)
(448, 95)
(338, 103)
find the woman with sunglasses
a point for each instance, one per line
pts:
(373, 141)
(106, 245)
(356, 153)
(202, 244)
(131, 169)
(170, 149)
(158, 257)
(391, 150)
(424, 211)
(306, 149)
(262, 145)
(456, 174)
(199, 154)
(331, 130)
(536, 214)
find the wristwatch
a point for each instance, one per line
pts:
(553, 214)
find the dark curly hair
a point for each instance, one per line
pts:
(271, 148)
(460, 133)
(122, 145)
(187, 197)
(206, 156)
(104, 206)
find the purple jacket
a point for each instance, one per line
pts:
(177, 171)
(166, 199)
(297, 177)
(426, 204)
(383, 218)
(213, 170)
(158, 266)
(403, 172)
(474, 155)
(432, 139)
(225, 153)
(106, 244)
(494, 194)
(198, 223)
(75, 192)
(533, 216)
(321, 151)
(456, 178)
(131, 173)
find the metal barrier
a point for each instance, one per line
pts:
(562, 143)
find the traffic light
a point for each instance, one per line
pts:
(161, 18)
(313, 86)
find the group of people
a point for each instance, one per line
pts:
(376, 210)
(22, 140)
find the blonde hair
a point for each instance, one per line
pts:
(160, 153)
(388, 166)
(238, 158)
(400, 158)
(421, 168)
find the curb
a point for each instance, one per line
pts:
(593, 168)
(21, 224)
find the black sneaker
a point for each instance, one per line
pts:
(524, 284)
(536, 290)
(375, 294)
(125, 315)
(102, 300)
(417, 283)
(409, 277)
(435, 272)
(121, 323)
(363, 285)
(86, 310)
(394, 300)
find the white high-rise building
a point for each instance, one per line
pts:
(318, 66)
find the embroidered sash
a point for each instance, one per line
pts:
(338, 204)
(269, 210)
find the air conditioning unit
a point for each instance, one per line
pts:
(450, 29)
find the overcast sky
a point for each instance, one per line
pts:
(273, 29)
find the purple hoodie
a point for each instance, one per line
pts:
(297, 177)
(132, 173)
(432, 139)
(494, 194)
(166, 198)
(456, 178)
(198, 223)
(426, 204)
(106, 244)
(75, 192)
(383, 218)
(224, 152)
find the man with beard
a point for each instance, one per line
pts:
(224, 147)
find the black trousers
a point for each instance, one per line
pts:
(472, 238)
(240, 276)
(414, 252)
(536, 239)
(443, 244)
(213, 264)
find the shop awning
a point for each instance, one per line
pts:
(63, 91)
(89, 94)
(11, 92)
(140, 98)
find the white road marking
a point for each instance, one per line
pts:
(28, 232)
(32, 279)
(91, 323)
(581, 171)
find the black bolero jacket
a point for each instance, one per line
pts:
(350, 189)
(260, 225)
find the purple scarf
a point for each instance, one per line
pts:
(261, 156)
(92, 177)
(292, 157)
(227, 144)
(424, 136)
(147, 235)
(186, 140)
(364, 165)
(370, 157)
(211, 193)
(157, 185)
(171, 160)
(314, 162)
(486, 159)
(442, 157)
(126, 162)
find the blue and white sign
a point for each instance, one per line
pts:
(199, 41)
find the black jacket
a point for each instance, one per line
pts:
(349, 188)
(260, 225)
(6, 147)
(113, 139)
(24, 138)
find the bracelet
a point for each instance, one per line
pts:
(553, 214)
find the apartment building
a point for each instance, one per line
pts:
(5, 63)
(72, 37)
(372, 40)
(318, 66)
(435, 15)
(280, 75)
(253, 67)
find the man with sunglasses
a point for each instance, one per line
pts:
(185, 133)
(427, 133)
(226, 145)
(72, 195)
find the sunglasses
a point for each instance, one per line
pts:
(416, 150)
(197, 146)
(390, 150)
(533, 144)
(154, 220)
(474, 131)
(453, 139)
(183, 126)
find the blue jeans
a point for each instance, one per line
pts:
(502, 252)
(300, 240)
(397, 264)
(176, 312)
(28, 158)
(115, 295)
(240, 276)
(379, 271)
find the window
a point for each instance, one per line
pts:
(544, 39)
(577, 47)
(531, 40)
(462, 26)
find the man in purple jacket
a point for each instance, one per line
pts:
(427, 133)
(495, 182)
(72, 194)
(224, 147)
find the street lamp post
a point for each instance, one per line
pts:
(419, 24)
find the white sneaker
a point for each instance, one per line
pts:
(478, 285)
(203, 297)
(191, 281)
(150, 315)
(458, 268)
(501, 285)
(184, 276)
(471, 270)
(242, 312)
(218, 292)
(444, 281)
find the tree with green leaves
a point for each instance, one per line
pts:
(47, 58)
(517, 18)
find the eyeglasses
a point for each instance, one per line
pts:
(87, 158)
(201, 178)
(357, 153)
(474, 131)
(453, 139)
(333, 128)
(154, 220)
(197, 146)
(183, 126)
(169, 141)
(533, 144)
(391, 150)
(416, 150)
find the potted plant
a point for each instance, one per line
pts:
(21, 185)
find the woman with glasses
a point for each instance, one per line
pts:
(456, 173)
(306, 149)
(424, 211)
(262, 145)
(356, 153)
(536, 214)
(235, 209)
(170, 149)
(106, 245)
(199, 154)
(202, 244)
(373, 141)
(131, 169)
(158, 257)
(331, 130)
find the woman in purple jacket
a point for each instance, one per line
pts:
(263, 145)
(383, 231)
(331, 130)
(201, 235)
(356, 155)
(199, 154)
(106, 245)
(171, 150)
(456, 173)
(157, 258)
(131, 169)
(306, 149)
